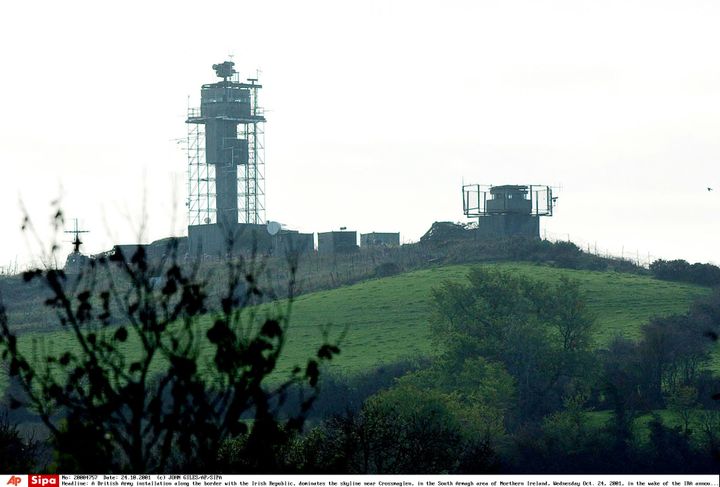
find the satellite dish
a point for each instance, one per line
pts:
(273, 227)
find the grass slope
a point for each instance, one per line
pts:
(388, 319)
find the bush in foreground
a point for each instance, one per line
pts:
(141, 396)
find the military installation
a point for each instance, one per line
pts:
(226, 175)
(226, 188)
(507, 210)
(226, 182)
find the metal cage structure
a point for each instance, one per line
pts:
(251, 176)
(200, 176)
(226, 152)
(487, 200)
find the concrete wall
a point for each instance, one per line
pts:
(509, 205)
(293, 242)
(498, 226)
(213, 239)
(337, 242)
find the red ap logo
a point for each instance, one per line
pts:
(45, 480)
(14, 480)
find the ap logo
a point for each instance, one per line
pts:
(14, 480)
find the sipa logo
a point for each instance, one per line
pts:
(14, 481)
(45, 480)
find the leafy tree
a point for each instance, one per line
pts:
(709, 425)
(538, 331)
(404, 429)
(669, 450)
(392, 427)
(342, 393)
(564, 442)
(683, 402)
(621, 385)
(673, 351)
(410, 430)
(670, 270)
(478, 394)
(138, 393)
(567, 430)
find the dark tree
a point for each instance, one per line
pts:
(400, 430)
(673, 351)
(539, 331)
(155, 381)
(621, 377)
(17, 453)
(682, 270)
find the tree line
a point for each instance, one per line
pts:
(517, 386)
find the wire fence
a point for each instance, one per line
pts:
(634, 255)
(10, 270)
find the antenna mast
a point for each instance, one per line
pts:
(76, 232)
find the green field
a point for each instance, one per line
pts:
(388, 319)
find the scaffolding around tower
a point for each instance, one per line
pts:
(225, 151)
(201, 177)
(251, 176)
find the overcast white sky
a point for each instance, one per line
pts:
(377, 111)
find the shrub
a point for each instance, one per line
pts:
(167, 407)
(17, 454)
(681, 270)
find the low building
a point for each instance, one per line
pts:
(338, 242)
(215, 240)
(380, 239)
(293, 242)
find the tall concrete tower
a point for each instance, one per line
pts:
(225, 153)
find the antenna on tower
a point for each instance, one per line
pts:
(76, 241)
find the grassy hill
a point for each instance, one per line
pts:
(388, 319)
